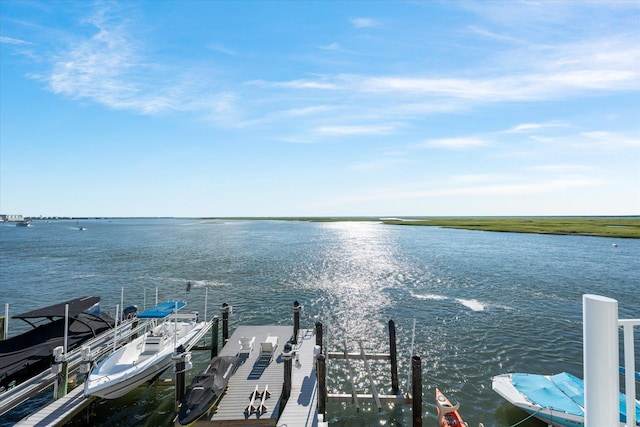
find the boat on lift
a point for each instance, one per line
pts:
(147, 356)
(26, 355)
(558, 400)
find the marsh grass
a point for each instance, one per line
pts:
(619, 227)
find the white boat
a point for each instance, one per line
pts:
(147, 356)
(558, 400)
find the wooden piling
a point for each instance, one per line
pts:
(297, 308)
(394, 357)
(2, 320)
(225, 323)
(180, 381)
(416, 387)
(214, 337)
(287, 355)
(319, 335)
(321, 370)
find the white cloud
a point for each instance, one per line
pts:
(364, 22)
(529, 127)
(355, 130)
(456, 143)
(10, 40)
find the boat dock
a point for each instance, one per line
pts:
(60, 411)
(100, 346)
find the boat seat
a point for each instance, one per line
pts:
(246, 344)
(152, 344)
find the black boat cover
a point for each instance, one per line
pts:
(207, 388)
(76, 306)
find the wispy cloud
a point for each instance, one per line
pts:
(364, 22)
(10, 40)
(355, 130)
(456, 143)
(217, 47)
(530, 127)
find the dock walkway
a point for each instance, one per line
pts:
(59, 411)
(235, 408)
(302, 407)
(254, 371)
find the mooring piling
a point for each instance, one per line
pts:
(416, 388)
(321, 371)
(214, 337)
(319, 335)
(393, 352)
(60, 368)
(287, 356)
(226, 308)
(182, 363)
(297, 309)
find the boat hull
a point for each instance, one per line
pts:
(131, 366)
(572, 416)
(26, 355)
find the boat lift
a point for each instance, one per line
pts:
(100, 345)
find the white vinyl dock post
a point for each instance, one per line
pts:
(600, 346)
(629, 366)
(6, 321)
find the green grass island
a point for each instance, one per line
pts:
(608, 226)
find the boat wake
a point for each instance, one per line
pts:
(472, 304)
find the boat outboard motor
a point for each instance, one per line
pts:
(130, 312)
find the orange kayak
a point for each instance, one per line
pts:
(447, 413)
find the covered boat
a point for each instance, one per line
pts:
(207, 388)
(557, 400)
(28, 354)
(147, 356)
(448, 415)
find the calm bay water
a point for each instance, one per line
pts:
(483, 303)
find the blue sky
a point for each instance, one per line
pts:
(319, 108)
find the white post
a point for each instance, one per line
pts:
(600, 344)
(122, 297)
(6, 321)
(115, 329)
(66, 329)
(144, 299)
(629, 369)
(156, 296)
(206, 294)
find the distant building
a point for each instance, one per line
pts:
(11, 218)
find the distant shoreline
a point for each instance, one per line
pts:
(627, 227)
(597, 226)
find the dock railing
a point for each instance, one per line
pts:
(601, 362)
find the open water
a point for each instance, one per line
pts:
(483, 303)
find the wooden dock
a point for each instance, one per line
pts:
(259, 373)
(59, 411)
(302, 406)
(254, 373)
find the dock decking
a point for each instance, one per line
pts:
(234, 408)
(254, 371)
(302, 406)
(59, 411)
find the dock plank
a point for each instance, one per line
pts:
(252, 372)
(302, 408)
(59, 411)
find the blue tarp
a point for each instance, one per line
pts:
(562, 392)
(161, 310)
(544, 392)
